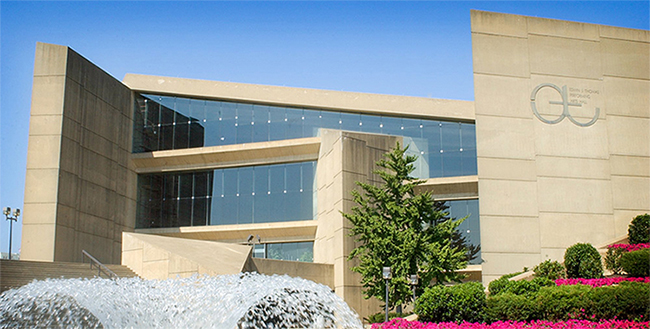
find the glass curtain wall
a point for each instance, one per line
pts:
(167, 123)
(257, 194)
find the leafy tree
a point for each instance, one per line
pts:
(398, 228)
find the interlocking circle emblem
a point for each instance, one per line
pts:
(565, 104)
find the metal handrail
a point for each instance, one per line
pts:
(100, 267)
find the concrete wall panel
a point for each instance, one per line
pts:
(564, 57)
(564, 167)
(631, 193)
(40, 238)
(627, 97)
(495, 23)
(493, 95)
(623, 34)
(510, 234)
(507, 198)
(563, 29)
(47, 95)
(40, 186)
(589, 196)
(43, 151)
(502, 54)
(501, 137)
(627, 59)
(629, 136)
(561, 230)
(623, 165)
(507, 169)
(498, 264)
(45, 125)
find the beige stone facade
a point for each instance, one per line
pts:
(545, 186)
(79, 186)
(541, 185)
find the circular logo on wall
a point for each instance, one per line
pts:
(565, 105)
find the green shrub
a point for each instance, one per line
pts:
(563, 302)
(524, 287)
(550, 269)
(381, 316)
(496, 286)
(626, 301)
(582, 260)
(613, 259)
(636, 263)
(463, 302)
(511, 307)
(544, 282)
(639, 230)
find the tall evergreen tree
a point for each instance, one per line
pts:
(398, 228)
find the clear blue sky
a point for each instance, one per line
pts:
(403, 48)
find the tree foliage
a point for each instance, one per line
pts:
(407, 231)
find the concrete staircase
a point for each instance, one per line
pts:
(16, 273)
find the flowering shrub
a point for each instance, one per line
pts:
(629, 247)
(571, 324)
(599, 282)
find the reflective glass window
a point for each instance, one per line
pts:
(167, 122)
(294, 251)
(470, 228)
(257, 194)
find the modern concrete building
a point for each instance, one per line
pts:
(554, 150)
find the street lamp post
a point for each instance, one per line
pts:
(11, 218)
(386, 273)
(413, 281)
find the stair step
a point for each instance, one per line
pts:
(16, 273)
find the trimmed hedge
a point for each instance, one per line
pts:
(639, 229)
(522, 287)
(511, 307)
(636, 263)
(582, 260)
(463, 302)
(627, 301)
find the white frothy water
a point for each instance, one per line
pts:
(243, 301)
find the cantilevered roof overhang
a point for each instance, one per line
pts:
(237, 155)
(378, 104)
(295, 231)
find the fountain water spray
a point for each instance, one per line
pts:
(240, 301)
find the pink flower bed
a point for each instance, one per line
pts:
(630, 247)
(599, 282)
(571, 324)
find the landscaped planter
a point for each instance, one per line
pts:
(599, 282)
(571, 324)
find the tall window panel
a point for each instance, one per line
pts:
(470, 228)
